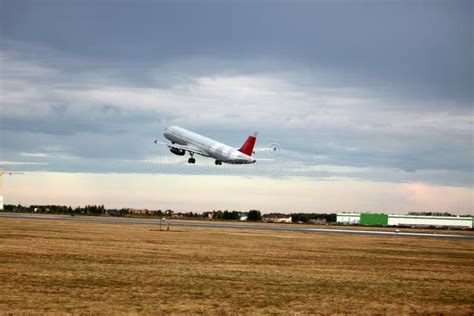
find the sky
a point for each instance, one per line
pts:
(369, 102)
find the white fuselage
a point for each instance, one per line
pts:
(207, 147)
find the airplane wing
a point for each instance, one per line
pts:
(182, 147)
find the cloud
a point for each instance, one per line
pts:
(364, 105)
(40, 155)
(20, 163)
(108, 121)
(422, 196)
(427, 54)
(295, 194)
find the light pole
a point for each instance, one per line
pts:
(1, 184)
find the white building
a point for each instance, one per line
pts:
(346, 218)
(284, 220)
(1, 203)
(276, 219)
(405, 220)
(437, 221)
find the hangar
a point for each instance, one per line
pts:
(405, 220)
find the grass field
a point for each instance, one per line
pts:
(60, 266)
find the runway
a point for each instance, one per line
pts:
(148, 221)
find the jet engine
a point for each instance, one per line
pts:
(177, 151)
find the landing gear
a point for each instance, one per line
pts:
(191, 160)
(218, 162)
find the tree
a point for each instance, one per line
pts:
(217, 214)
(254, 215)
(311, 217)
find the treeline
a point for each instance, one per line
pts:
(251, 215)
(312, 218)
(225, 215)
(101, 210)
(61, 209)
(430, 214)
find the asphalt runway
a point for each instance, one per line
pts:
(148, 221)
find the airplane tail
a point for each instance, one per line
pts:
(247, 147)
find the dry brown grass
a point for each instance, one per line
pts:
(60, 266)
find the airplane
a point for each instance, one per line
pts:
(183, 141)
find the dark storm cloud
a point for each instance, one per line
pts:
(424, 47)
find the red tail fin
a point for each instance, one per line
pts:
(247, 147)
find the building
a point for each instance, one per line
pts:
(349, 219)
(1, 203)
(405, 220)
(437, 221)
(276, 218)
